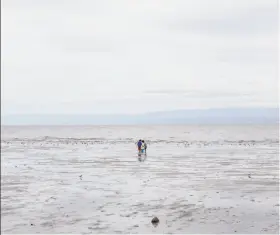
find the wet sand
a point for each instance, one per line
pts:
(90, 180)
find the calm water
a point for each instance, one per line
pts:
(195, 179)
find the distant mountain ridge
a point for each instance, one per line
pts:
(194, 116)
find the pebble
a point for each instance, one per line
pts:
(155, 220)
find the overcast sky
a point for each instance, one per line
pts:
(130, 56)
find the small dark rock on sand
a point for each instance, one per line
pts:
(155, 220)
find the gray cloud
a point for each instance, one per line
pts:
(255, 20)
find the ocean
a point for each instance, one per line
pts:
(89, 179)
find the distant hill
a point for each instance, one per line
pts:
(218, 116)
(194, 116)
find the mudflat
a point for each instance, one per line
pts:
(89, 179)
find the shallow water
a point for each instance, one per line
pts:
(195, 179)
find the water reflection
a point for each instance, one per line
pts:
(142, 157)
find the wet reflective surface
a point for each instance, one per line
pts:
(195, 179)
